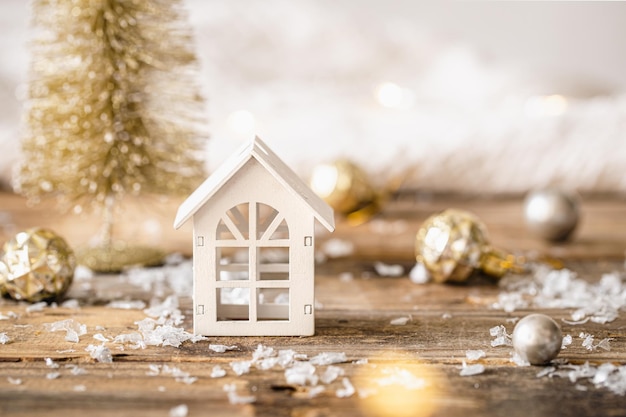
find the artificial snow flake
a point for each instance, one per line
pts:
(53, 375)
(400, 321)
(163, 333)
(14, 381)
(347, 390)
(337, 248)
(218, 372)
(127, 304)
(315, 391)
(4, 339)
(179, 411)
(178, 374)
(518, 360)
(502, 338)
(419, 274)
(154, 370)
(401, 377)
(75, 369)
(385, 270)
(546, 371)
(241, 367)
(346, 277)
(36, 307)
(71, 303)
(134, 339)
(469, 370)
(80, 388)
(72, 328)
(301, 373)
(331, 373)
(589, 345)
(222, 348)
(235, 398)
(51, 364)
(474, 355)
(328, 358)
(262, 352)
(101, 353)
(567, 340)
(100, 337)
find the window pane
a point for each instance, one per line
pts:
(233, 304)
(272, 304)
(239, 217)
(273, 263)
(232, 264)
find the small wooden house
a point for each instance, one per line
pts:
(253, 247)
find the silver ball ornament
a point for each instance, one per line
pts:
(551, 214)
(537, 338)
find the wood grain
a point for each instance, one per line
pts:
(355, 308)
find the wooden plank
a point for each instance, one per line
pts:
(354, 310)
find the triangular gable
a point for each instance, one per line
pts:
(258, 150)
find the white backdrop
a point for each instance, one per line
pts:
(477, 96)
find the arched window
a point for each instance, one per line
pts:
(252, 264)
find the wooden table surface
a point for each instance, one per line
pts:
(396, 370)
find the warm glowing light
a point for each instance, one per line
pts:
(324, 180)
(392, 95)
(553, 105)
(399, 387)
(242, 122)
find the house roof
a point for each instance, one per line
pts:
(258, 150)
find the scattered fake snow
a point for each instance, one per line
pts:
(474, 355)
(606, 375)
(51, 364)
(347, 390)
(567, 340)
(222, 348)
(400, 321)
(599, 302)
(469, 370)
(235, 398)
(127, 305)
(178, 374)
(179, 411)
(419, 274)
(385, 270)
(218, 372)
(337, 248)
(36, 307)
(502, 338)
(72, 328)
(101, 353)
(4, 339)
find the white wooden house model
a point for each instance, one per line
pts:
(253, 247)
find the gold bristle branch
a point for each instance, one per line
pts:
(113, 108)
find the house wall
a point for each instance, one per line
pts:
(253, 183)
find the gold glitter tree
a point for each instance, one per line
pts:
(112, 108)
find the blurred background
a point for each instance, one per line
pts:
(477, 97)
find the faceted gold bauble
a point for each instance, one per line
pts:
(346, 188)
(451, 244)
(36, 265)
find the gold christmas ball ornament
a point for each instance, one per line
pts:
(551, 214)
(454, 243)
(36, 265)
(346, 188)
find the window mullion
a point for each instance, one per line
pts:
(252, 259)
